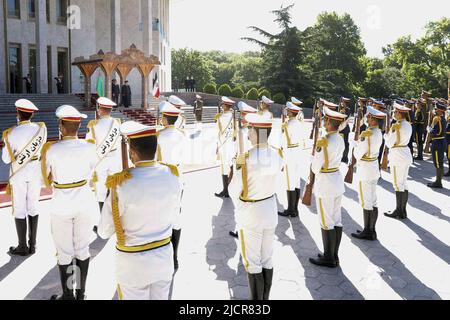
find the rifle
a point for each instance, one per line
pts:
(384, 159)
(351, 167)
(312, 177)
(124, 147)
(311, 136)
(430, 122)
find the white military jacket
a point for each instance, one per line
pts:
(397, 141)
(226, 127)
(325, 165)
(148, 200)
(99, 131)
(171, 144)
(292, 133)
(366, 152)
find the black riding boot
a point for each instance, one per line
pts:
(373, 222)
(396, 214)
(256, 286)
(329, 246)
(297, 201)
(338, 243)
(438, 183)
(291, 197)
(366, 234)
(224, 193)
(83, 268)
(21, 249)
(100, 204)
(64, 277)
(419, 152)
(268, 278)
(176, 234)
(32, 233)
(404, 214)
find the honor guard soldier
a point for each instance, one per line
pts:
(68, 166)
(258, 171)
(361, 109)
(265, 107)
(329, 188)
(140, 210)
(418, 126)
(344, 109)
(410, 118)
(245, 109)
(198, 111)
(298, 103)
(447, 137)
(105, 131)
(171, 143)
(380, 106)
(178, 103)
(22, 151)
(226, 150)
(366, 152)
(292, 131)
(438, 143)
(400, 159)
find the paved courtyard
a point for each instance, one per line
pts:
(411, 260)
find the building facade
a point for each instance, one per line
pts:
(41, 38)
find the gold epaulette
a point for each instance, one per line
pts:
(396, 126)
(6, 133)
(44, 172)
(322, 143)
(42, 124)
(216, 118)
(119, 121)
(436, 119)
(366, 134)
(173, 169)
(92, 123)
(117, 179)
(92, 141)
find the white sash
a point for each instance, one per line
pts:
(31, 150)
(110, 140)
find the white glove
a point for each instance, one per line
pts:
(429, 129)
(385, 136)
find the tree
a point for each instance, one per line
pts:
(224, 90)
(252, 94)
(189, 63)
(237, 93)
(210, 88)
(279, 98)
(281, 53)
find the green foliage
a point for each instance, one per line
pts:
(190, 63)
(252, 94)
(265, 92)
(224, 90)
(237, 93)
(210, 88)
(279, 98)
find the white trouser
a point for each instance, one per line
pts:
(25, 190)
(367, 190)
(107, 167)
(256, 246)
(399, 175)
(177, 221)
(292, 169)
(72, 235)
(226, 154)
(330, 214)
(156, 291)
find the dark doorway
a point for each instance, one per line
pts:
(63, 69)
(32, 68)
(15, 69)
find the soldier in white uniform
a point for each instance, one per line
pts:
(264, 108)
(22, 151)
(298, 103)
(142, 223)
(366, 152)
(226, 148)
(256, 179)
(292, 131)
(171, 142)
(68, 166)
(400, 159)
(245, 109)
(329, 187)
(178, 103)
(106, 132)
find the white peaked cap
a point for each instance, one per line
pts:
(69, 113)
(334, 114)
(106, 103)
(26, 106)
(176, 101)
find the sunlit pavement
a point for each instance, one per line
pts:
(411, 260)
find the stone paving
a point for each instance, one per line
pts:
(411, 260)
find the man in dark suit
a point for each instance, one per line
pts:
(126, 95)
(115, 91)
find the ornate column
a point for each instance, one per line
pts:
(87, 70)
(108, 67)
(145, 70)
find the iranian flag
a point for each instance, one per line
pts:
(156, 90)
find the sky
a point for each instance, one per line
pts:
(219, 24)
